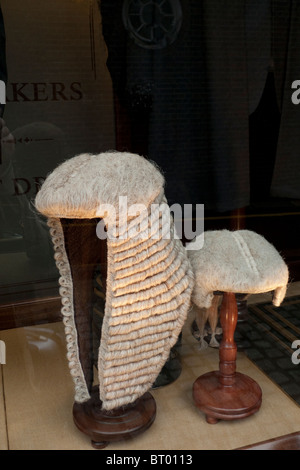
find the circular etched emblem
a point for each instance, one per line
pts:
(152, 24)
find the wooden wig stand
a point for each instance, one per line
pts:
(85, 251)
(227, 394)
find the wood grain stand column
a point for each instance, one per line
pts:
(227, 394)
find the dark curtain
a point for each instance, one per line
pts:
(198, 92)
(286, 51)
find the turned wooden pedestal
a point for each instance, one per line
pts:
(104, 427)
(227, 394)
(85, 251)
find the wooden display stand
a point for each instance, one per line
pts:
(85, 251)
(227, 394)
(104, 427)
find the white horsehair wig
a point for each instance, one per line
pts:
(240, 261)
(149, 279)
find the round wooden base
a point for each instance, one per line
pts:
(104, 427)
(239, 400)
